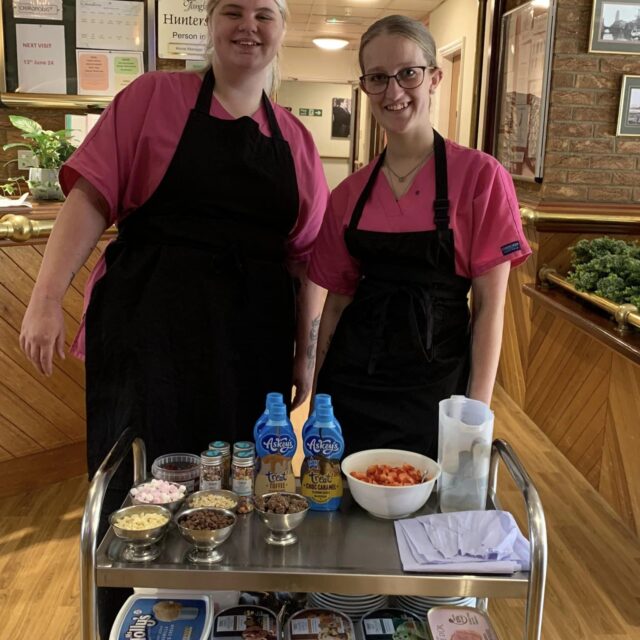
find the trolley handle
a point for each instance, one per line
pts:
(91, 520)
(537, 532)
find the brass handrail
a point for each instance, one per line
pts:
(531, 216)
(19, 228)
(624, 314)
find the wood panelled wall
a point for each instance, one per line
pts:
(583, 395)
(42, 420)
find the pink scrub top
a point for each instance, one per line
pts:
(484, 215)
(128, 151)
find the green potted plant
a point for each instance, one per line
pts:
(50, 149)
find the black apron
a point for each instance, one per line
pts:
(403, 344)
(193, 322)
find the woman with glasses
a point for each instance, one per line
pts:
(403, 242)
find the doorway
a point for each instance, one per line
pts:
(448, 97)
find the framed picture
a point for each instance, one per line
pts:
(340, 117)
(615, 27)
(629, 111)
(526, 42)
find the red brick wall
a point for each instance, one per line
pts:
(584, 160)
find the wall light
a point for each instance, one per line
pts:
(330, 43)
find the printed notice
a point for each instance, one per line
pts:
(182, 29)
(110, 24)
(41, 59)
(38, 9)
(104, 73)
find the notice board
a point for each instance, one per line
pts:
(73, 51)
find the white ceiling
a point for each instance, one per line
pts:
(308, 18)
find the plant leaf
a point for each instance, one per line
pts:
(25, 124)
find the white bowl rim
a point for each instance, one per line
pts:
(351, 478)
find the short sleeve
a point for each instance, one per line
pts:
(106, 157)
(497, 234)
(332, 266)
(313, 194)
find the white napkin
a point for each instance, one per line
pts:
(15, 202)
(462, 542)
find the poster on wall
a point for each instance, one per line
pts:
(524, 73)
(41, 58)
(38, 9)
(182, 29)
(104, 73)
(341, 117)
(110, 24)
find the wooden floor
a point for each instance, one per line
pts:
(593, 586)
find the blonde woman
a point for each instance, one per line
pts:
(402, 243)
(218, 195)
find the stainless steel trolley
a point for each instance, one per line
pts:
(344, 551)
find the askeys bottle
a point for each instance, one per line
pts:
(323, 447)
(320, 399)
(262, 420)
(275, 446)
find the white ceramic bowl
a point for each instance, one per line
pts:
(390, 502)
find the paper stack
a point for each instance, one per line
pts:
(462, 542)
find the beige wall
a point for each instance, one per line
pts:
(318, 95)
(451, 22)
(318, 65)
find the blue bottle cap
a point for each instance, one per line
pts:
(324, 413)
(278, 411)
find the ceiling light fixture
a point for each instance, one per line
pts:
(330, 43)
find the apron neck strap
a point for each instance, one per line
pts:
(441, 203)
(203, 103)
(205, 95)
(364, 196)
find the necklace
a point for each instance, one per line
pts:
(406, 175)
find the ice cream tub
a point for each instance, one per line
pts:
(319, 624)
(246, 622)
(392, 624)
(459, 623)
(163, 616)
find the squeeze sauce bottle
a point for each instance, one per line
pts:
(323, 446)
(276, 446)
(262, 420)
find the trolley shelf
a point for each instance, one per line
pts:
(346, 551)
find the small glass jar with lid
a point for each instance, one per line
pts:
(225, 449)
(244, 445)
(211, 470)
(242, 473)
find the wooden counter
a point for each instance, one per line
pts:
(569, 370)
(42, 420)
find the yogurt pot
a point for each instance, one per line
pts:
(246, 622)
(459, 623)
(181, 468)
(319, 624)
(170, 615)
(391, 624)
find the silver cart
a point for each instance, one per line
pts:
(345, 551)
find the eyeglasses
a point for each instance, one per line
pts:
(408, 78)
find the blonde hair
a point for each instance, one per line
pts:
(405, 27)
(273, 78)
